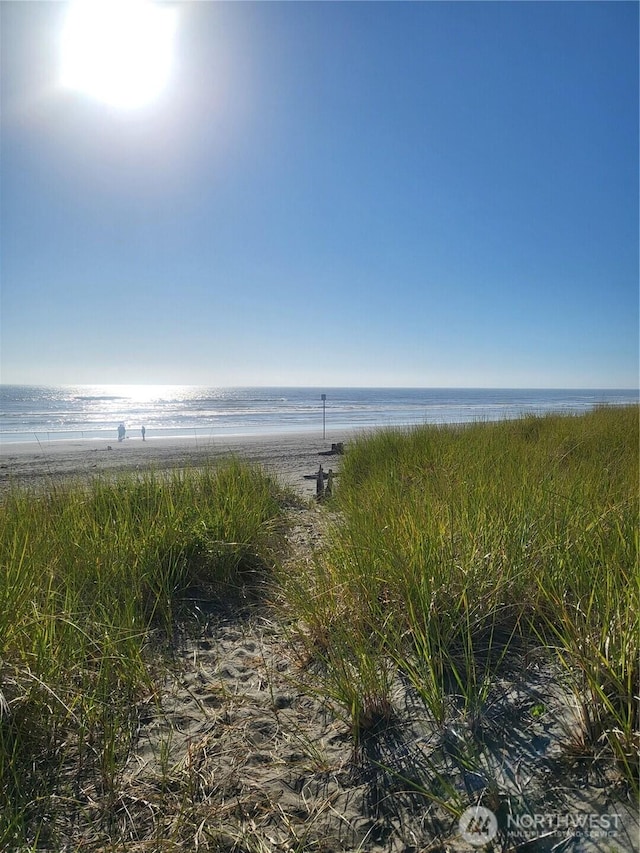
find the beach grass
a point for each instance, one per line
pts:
(91, 579)
(459, 548)
(451, 557)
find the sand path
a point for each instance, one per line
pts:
(244, 752)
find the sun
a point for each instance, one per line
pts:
(119, 52)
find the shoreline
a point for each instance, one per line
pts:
(290, 457)
(54, 437)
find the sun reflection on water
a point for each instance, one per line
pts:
(135, 393)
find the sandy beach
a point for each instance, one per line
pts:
(289, 456)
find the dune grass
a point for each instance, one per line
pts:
(455, 550)
(91, 578)
(460, 546)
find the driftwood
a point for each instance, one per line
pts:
(337, 448)
(323, 490)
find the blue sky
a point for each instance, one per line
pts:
(426, 194)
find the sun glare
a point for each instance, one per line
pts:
(117, 51)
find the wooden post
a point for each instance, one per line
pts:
(320, 484)
(329, 490)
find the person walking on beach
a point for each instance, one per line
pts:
(143, 432)
(121, 432)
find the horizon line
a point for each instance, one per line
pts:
(329, 387)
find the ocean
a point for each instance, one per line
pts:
(31, 413)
